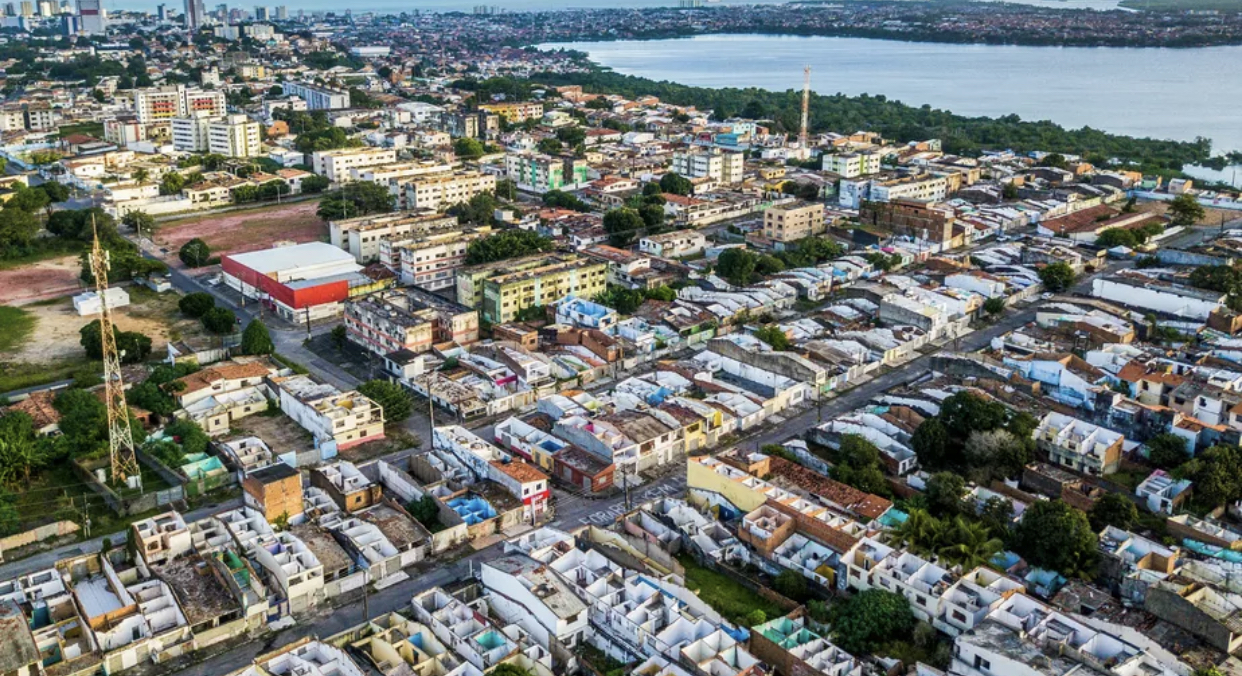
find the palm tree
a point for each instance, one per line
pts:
(141, 175)
(969, 544)
(921, 532)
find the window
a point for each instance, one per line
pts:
(982, 664)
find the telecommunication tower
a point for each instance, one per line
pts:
(120, 436)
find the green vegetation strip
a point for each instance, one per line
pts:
(730, 598)
(15, 327)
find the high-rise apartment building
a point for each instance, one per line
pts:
(159, 104)
(317, 98)
(713, 163)
(234, 136)
(92, 17)
(195, 14)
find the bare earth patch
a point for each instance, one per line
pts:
(56, 331)
(1210, 216)
(39, 281)
(245, 230)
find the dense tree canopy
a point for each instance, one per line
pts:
(1057, 277)
(863, 623)
(356, 199)
(506, 244)
(393, 398)
(897, 121)
(1054, 535)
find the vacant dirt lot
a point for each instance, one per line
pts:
(55, 335)
(1211, 216)
(245, 230)
(39, 281)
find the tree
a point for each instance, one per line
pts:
(1113, 509)
(774, 336)
(195, 253)
(509, 669)
(339, 335)
(83, 422)
(965, 412)
(931, 443)
(1057, 277)
(997, 515)
(189, 435)
(219, 321)
(994, 306)
(562, 200)
(506, 244)
(1167, 450)
(863, 623)
(791, 585)
(676, 184)
(315, 184)
(172, 183)
(736, 266)
(624, 225)
(1115, 237)
(549, 146)
(945, 493)
(1055, 160)
(256, 339)
(393, 398)
(999, 452)
(972, 544)
(356, 199)
(1217, 475)
(20, 451)
(1186, 210)
(56, 192)
(468, 148)
(196, 304)
(1056, 536)
(624, 301)
(140, 221)
(134, 347)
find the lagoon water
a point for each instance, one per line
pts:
(1159, 93)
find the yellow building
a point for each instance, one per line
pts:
(516, 111)
(502, 289)
(792, 222)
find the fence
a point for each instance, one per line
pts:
(38, 534)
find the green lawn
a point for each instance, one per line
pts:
(15, 327)
(95, 129)
(728, 597)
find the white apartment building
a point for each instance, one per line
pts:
(438, 192)
(348, 418)
(927, 188)
(1079, 445)
(338, 165)
(1023, 637)
(189, 134)
(719, 165)
(364, 236)
(316, 97)
(40, 117)
(234, 136)
(676, 244)
(852, 165)
(431, 261)
(160, 104)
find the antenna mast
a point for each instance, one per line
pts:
(806, 106)
(120, 436)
